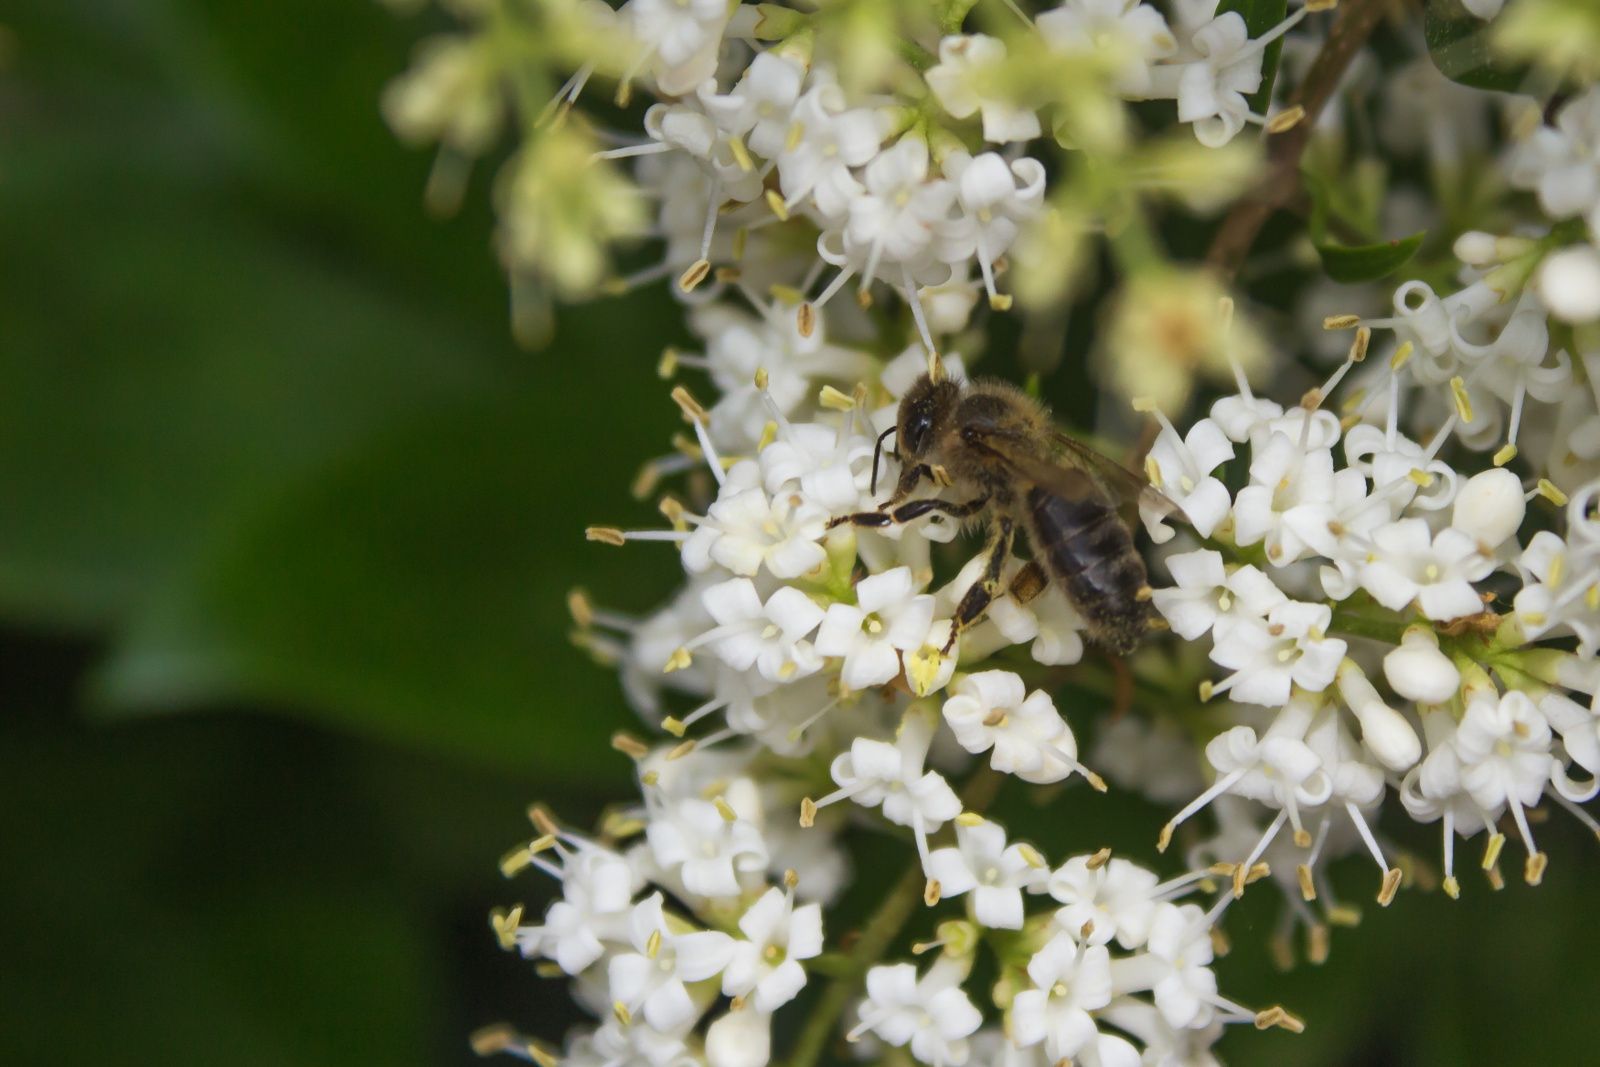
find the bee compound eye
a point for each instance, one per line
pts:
(918, 426)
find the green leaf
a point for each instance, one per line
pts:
(1459, 45)
(416, 591)
(1367, 263)
(1259, 17)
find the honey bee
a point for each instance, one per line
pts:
(999, 450)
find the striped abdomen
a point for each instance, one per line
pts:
(1089, 552)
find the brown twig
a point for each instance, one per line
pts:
(1281, 185)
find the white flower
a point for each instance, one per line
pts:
(957, 81)
(1504, 746)
(932, 1014)
(1175, 966)
(1289, 647)
(876, 772)
(1069, 983)
(1417, 670)
(1568, 282)
(1049, 621)
(992, 871)
(1437, 571)
(708, 851)
(1564, 590)
(652, 977)
(1211, 89)
(996, 199)
(1133, 31)
(746, 530)
(1208, 596)
(889, 617)
(597, 887)
(765, 966)
(759, 107)
(992, 710)
(895, 220)
(770, 637)
(1183, 472)
(816, 161)
(1562, 162)
(683, 36)
(1285, 481)
(1104, 900)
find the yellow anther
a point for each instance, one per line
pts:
(1340, 322)
(620, 1012)
(629, 745)
(698, 271)
(504, 922)
(1491, 852)
(693, 410)
(513, 862)
(679, 660)
(725, 810)
(1001, 302)
(769, 434)
(1552, 493)
(1507, 453)
(1286, 119)
(1533, 870)
(834, 399)
(1308, 885)
(652, 947)
(1145, 404)
(1206, 689)
(808, 813)
(674, 726)
(969, 819)
(606, 535)
(1420, 477)
(1031, 857)
(1458, 389)
(681, 750)
(1358, 347)
(1389, 887)
(741, 237)
(1152, 471)
(1098, 859)
(667, 365)
(931, 892)
(1452, 888)
(1164, 838)
(741, 155)
(779, 208)
(1277, 1016)
(1401, 355)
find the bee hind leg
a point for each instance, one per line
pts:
(975, 601)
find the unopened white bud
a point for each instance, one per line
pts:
(1475, 248)
(1418, 671)
(1490, 507)
(1385, 731)
(1569, 283)
(740, 1039)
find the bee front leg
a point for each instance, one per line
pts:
(914, 510)
(977, 598)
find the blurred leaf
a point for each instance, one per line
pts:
(1259, 17)
(1368, 263)
(416, 591)
(1459, 45)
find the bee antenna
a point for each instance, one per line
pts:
(877, 455)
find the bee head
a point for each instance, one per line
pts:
(925, 411)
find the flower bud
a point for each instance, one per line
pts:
(740, 1039)
(1418, 671)
(1569, 283)
(1490, 506)
(1475, 248)
(1385, 731)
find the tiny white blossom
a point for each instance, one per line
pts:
(769, 637)
(708, 851)
(651, 979)
(890, 617)
(1288, 647)
(931, 1014)
(1069, 983)
(765, 965)
(992, 871)
(957, 82)
(993, 710)
(1101, 901)
(1436, 570)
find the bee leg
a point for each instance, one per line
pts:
(914, 510)
(975, 601)
(1121, 686)
(910, 478)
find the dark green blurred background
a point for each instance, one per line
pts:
(286, 526)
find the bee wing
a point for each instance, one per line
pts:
(1087, 474)
(1130, 489)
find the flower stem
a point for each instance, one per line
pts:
(892, 915)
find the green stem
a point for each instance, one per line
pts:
(892, 915)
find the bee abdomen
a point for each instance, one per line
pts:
(1091, 554)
